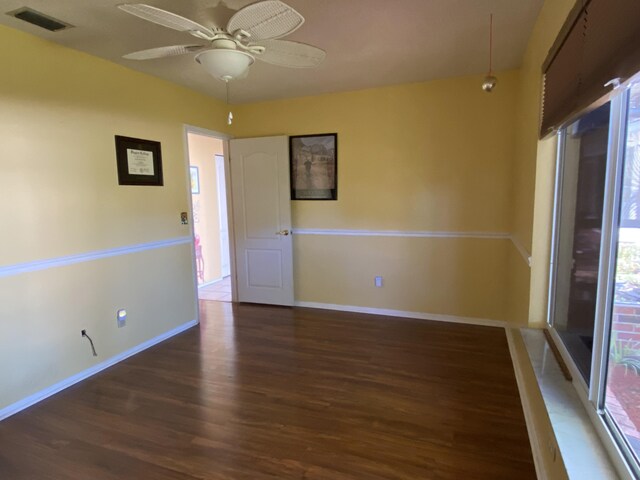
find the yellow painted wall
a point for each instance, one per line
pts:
(59, 112)
(43, 312)
(517, 292)
(447, 276)
(433, 156)
(529, 193)
(206, 213)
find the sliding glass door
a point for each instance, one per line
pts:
(622, 386)
(584, 166)
(594, 308)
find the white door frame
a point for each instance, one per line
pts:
(227, 180)
(225, 254)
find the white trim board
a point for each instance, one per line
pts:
(534, 438)
(404, 314)
(400, 233)
(526, 256)
(36, 265)
(53, 389)
(206, 133)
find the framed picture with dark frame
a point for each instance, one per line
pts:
(314, 166)
(139, 161)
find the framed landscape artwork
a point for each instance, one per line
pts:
(314, 166)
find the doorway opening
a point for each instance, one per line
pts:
(209, 215)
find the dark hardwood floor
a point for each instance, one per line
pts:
(265, 392)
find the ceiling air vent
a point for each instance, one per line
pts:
(39, 19)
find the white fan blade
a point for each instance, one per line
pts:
(268, 19)
(291, 54)
(167, 19)
(161, 52)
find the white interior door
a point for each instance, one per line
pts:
(262, 219)
(225, 262)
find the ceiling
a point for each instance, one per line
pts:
(369, 43)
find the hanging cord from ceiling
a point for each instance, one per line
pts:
(490, 43)
(230, 116)
(489, 82)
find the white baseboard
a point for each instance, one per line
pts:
(401, 313)
(52, 390)
(534, 439)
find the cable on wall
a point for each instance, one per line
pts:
(93, 349)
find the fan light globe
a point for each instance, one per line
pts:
(225, 64)
(489, 83)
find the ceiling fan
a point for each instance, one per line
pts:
(251, 33)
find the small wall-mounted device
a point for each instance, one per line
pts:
(378, 282)
(184, 218)
(121, 317)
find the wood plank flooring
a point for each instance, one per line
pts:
(274, 393)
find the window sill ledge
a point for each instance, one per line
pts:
(582, 451)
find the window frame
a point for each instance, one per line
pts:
(593, 395)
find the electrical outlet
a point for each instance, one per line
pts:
(378, 282)
(121, 317)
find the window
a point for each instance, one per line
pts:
(595, 278)
(584, 154)
(622, 385)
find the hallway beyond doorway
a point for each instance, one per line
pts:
(219, 291)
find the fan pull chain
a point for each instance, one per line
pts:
(230, 116)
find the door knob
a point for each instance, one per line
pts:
(283, 232)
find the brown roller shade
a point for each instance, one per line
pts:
(562, 77)
(600, 41)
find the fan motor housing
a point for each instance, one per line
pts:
(223, 43)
